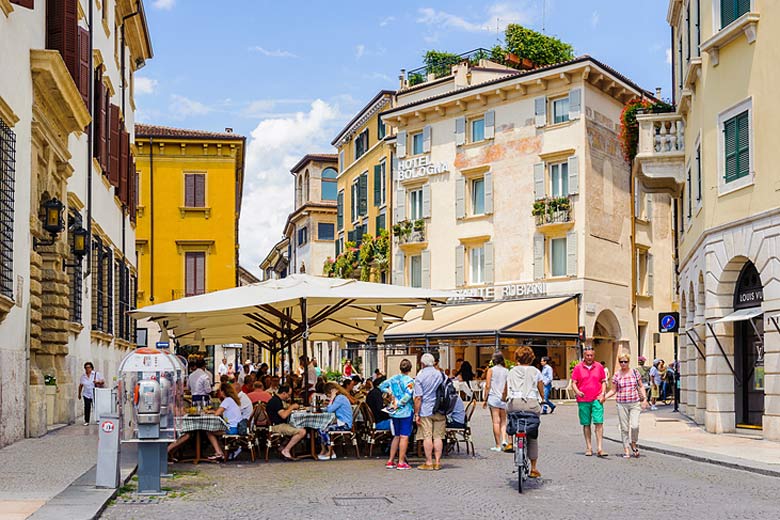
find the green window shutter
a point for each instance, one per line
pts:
(340, 211)
(743, 6)
(381, 223)
(377, 185)
(730, 142)
(380, 128)
(363, 194)
(338, 247)
(743, 145)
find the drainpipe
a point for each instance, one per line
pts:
(90, 141)
(151, 219)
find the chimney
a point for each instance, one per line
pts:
(658, 92)
(401, 78)
(228, 130)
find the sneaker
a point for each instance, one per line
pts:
(654, 407)
(425, 467)
(390, 465)
(323, 457)
(86, 424)
(235, 454)
(496, 448)
(403, 466)
(333, 457)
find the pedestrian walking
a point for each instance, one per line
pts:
(547, 379)
(432, 425)
(401, 411)
(89, 380)
(655, 384)
(494, 388)
(523, 393)
(590, 386)
(631, 400)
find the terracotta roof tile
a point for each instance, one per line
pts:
(142, 130)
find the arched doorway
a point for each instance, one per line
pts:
(749, 350)
(606, 333)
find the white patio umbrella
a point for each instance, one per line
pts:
(280, 312)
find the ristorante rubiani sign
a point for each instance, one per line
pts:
(419, 167)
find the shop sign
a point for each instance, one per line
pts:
(514, 291)
(749, 298)
(419, 167)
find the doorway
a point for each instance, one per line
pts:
(749, 351)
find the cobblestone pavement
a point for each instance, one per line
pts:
(573, 486)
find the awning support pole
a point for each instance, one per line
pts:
(305, 339)
(695, 343)
(712, 330)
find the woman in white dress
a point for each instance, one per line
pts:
(494, 388)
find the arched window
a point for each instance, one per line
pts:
(299, 192)
(305, 187)
(329, 187)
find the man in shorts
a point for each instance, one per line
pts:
(589, 382)
(432, 426)
(278, 416)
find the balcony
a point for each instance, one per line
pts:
(660, 158)
(410, 233)
(553, 213)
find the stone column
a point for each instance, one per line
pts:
(771, 419)
(37, 401)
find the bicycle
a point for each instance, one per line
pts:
(521, 459)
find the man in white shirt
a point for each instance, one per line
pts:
(199, 383)
(223, 368)
(547, 379)
(89, 380)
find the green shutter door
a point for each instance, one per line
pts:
(743, 145)
(378, 185)
(363, 194)
(340, 211)
(730, 140)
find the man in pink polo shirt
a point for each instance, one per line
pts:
(589, 382)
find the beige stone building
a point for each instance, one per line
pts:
(512, 185)
(66, 146)
(715, 154)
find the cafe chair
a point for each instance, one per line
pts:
(455, 436)
(477, 389)
(342, 437)
(247, 441)
(370, 434)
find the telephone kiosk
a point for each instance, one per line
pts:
(153, 392)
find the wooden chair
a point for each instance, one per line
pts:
(339, 436)
(370, 434)
(247, 441)
(454, 436)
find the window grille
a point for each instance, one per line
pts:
(98, 286)
(75, 271)
(109, 295)
(7, 175)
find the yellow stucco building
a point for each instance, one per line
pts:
(190, 185)
(364, 163)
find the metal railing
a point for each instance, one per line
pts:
(553, 210)
(443, 67)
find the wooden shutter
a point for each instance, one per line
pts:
(488, 187)
(743, 145)
(124, 157)
(340, 210)
(29, 4)
(113, 147)
(99, 117)
(400, 204)
(575, 103)
(200, 190)
(426, 202)
(649, 274)
(132, 186)
(363, 194)
(540, 111)
(571, 253)
(425, 260)
(490, 124)
(62, 32)
(398, 268)
(460, 197)
(538, 256)
(426, 138)
(460, 131)
(574, 175)
(730, 141)
(490, 268)
(379, 223)
(189, 190)
(538, 181)
(400, 144)
(460, 259)
(84, 54)
(377, 185)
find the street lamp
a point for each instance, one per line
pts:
(80, 244)
(52, 222)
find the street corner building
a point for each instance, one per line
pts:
(190, 190)
(714, 153)
(511, 185)
(67, 201)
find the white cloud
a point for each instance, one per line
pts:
(360, 50)
(165, 5)
(144, 85)
(668, 55)
(182, 107)
(278, 53)
(262, 108)
(497, 16)
(275, 145)
(386, 21)
(594, 18)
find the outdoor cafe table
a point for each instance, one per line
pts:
(198, 424)
(312, 421)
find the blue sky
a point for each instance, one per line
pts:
(288, 75)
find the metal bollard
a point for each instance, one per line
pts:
(107, 475)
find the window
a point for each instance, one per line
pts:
(355, 201)
(329, 186)
(730, 10)
(325, 231)
(7, 176)
(303, 236)
(98, 286)
(417, 143)
(381, 223)
(558, 257)
(689, 190)
(339, 245)
(560, 110)
(698, 174)
(559, 179)
(361, 144)
(340, 210)
(476, 265)
(478, 196)
(195, 273)
(416, 204)
(108, 307)
(643, 272)
(75, 271)
(380, 128)
(194, 190)
(415, 271)
(736, 132)
(478, 130)
(380, 184)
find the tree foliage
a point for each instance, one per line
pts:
(440, 63)
(535, 46)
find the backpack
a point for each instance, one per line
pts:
(446, 396)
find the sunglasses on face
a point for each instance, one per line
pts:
(622, 361)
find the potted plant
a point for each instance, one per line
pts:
(419, 225)
(539, 208)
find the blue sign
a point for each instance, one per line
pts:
(668, 321)
(163, 344)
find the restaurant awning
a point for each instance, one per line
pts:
(551, 317)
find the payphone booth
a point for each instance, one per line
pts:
(152, 400)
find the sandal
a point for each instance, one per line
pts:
(589, 453)
(216, 458)
(601, 455)
(636, 452)
(626, 456)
